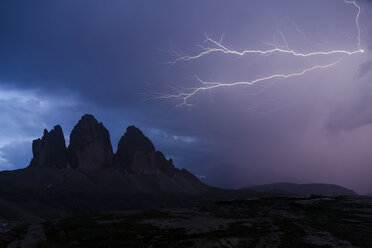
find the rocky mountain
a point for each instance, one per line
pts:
(90, 149)
(303, 189)
(89, 176)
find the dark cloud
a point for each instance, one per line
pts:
(60, 60)
(14, 155)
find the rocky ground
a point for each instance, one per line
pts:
(257, 222)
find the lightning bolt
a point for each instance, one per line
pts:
(217, 47)
(298, 30)
(213, 85)
(223, 49)
(356, 20)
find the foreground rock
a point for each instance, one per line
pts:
(259, 222)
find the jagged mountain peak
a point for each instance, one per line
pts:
(134, 137)
(136, 152)
(50, 150)
(90, 145)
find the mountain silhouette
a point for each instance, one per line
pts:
(303, 189)
(88, 176)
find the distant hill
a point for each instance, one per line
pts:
(369, 194)
(303, 189)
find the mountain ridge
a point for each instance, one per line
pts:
(308, 189)
(90, 148)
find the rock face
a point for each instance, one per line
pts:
(137, 155)
(50, 150)
(166, 166)
(90, 145)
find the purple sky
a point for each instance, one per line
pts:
(61, 59)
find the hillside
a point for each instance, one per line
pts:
(303, 189)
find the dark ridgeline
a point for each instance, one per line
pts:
(305, 190)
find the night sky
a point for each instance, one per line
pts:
(62, 59)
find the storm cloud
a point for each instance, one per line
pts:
(60, 60)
